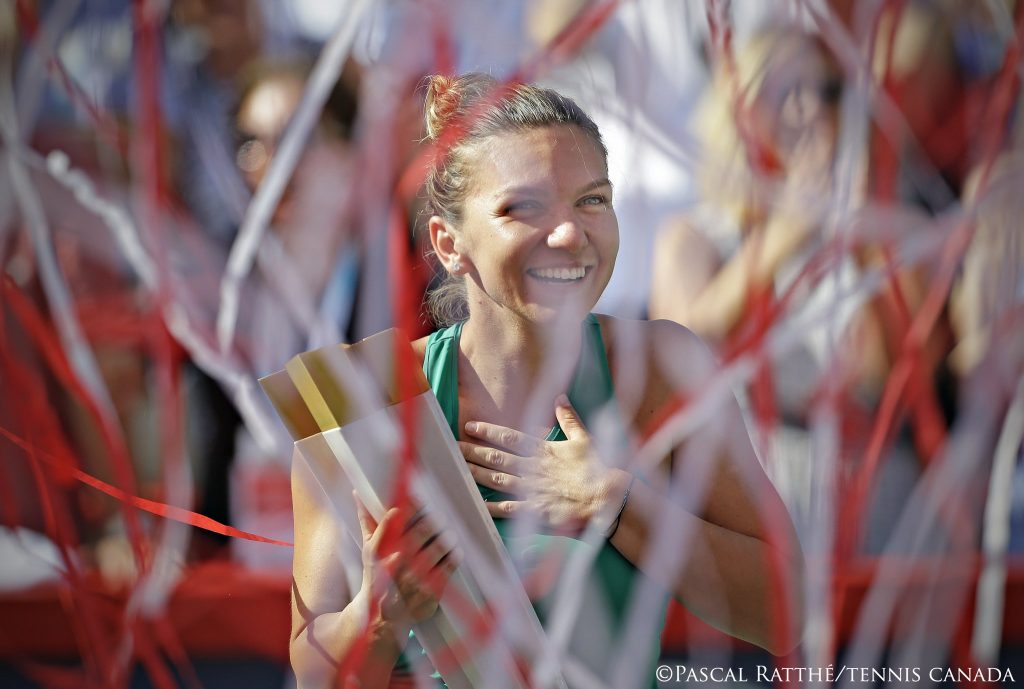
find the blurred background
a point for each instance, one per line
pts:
(829, 192)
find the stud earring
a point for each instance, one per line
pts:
(456, 267)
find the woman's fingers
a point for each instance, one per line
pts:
(367, 525)
(413, 560)
(508, 438)
(409, 561)
(498, 480)
(417, 532)
(429, 552)
(439, 552)
(421, 580)
(505, 508)
(569, 419)
(416, 519)
(437, 579)
(421, 547)
(492, 458)
(442, 549)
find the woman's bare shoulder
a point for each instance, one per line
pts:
(668, 358)
(420, 347)
(654, 337)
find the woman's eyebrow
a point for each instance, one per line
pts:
(597, 183)
(524, 190)
(537, 190)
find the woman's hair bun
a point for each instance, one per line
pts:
(447, 96)
(443, 98)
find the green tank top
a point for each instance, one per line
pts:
(603, 615)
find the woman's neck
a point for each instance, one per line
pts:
(516, 367)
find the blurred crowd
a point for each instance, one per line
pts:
(826, 192)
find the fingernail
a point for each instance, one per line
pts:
(471, 426)
(562, 400)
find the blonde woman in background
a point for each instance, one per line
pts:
(768, 135)
(769, 132)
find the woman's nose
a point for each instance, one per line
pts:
(568, 235)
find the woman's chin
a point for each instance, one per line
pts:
(562, 313)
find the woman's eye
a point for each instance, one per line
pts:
(595, 200)
(520, 207)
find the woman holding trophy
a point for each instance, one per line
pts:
(522, 220)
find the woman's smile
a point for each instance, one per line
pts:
(563, 275)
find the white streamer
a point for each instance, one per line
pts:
(988, 614)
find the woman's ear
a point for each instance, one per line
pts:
(443, 240)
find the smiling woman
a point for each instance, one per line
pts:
(537, 238)
(522, 220)
(516, 194)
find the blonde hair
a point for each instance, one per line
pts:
(459, 113)
(728, 179)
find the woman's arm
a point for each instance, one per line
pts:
(326, 620)
(741, 547)
(406, 563)
(726, 578)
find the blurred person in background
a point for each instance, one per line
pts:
(111, 309)
(936, 62)
(309, 226)
(936, 65)
(768, 132)
(308, 260)
(755, 185)
(211, 43)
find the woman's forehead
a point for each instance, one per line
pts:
(559, 155)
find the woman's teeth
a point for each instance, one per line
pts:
(559, 273)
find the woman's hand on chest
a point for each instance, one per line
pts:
(563, 482)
